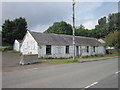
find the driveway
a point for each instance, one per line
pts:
(10, 62)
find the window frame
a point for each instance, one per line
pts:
(94, 48)
(48, 50)
(87, 49)
(67, 50)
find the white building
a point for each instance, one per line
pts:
(101, 40)
(59, 46)
(17, 45)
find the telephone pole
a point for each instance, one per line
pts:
(73, 4)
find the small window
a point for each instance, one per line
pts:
(67, 49)
(93, 48)
(48, 49)
(87, 49)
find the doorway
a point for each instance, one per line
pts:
(77, 50)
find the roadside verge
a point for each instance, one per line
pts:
(96, 59)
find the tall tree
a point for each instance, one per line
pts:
(81, 31)
(113, 22)
(101, 29)
(60, 28)
(14, 29)
(113, 39)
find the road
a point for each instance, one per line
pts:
(75, 75)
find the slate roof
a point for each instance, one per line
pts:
(60, 39)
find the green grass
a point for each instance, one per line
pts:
(97, 56)
(70, 60)
(60, 61)
(4, 47)
(8, 49)
(12, 51)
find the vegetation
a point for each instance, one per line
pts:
(105, 28)
(11, 51)
(56, 61)
(113, 39)
(70, 60)
(0, 38)
(14, 29)
(3, 47)
(60, 28)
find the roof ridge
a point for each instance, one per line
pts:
(62, 34)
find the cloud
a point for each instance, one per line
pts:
(37, 13)
(90, 24)
(41, 15)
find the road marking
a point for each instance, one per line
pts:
(31, 69)
(91, 85)
(117, 72)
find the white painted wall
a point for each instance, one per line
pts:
(59, 51)
(29, 45)
(101, 50)
(16, 46)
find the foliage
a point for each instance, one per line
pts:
(113, 39)
(104, 27)
(60, 28)
(70, 60)
(0, 38)
(14, 29)
(11, 51)
(61, 61)
(107, 25)
(81, 31)
(4, 47)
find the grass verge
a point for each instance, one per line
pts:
(3, 47)
(61, 61)
(11, 51)
(70, 60)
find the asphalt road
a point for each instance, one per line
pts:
(76, 75)
(110, 81)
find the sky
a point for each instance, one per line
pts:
(41, 15)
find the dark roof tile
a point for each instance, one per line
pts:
(60, 39)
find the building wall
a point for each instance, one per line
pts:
(16, 46)
(29, 45)
(60, 51)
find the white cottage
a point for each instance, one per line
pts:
(17, 45)
(59, 45)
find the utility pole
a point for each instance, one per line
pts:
(73, 4)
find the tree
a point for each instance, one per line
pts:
(113, 39)
(101, 29)
(113, 22)
(107, 25)
(81, 31)
(60, 28)
(14, 29)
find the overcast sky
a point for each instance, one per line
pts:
(41, 15)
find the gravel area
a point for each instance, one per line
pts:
(10, 62)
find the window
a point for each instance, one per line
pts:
(67, 49)
(48, 49)
(87, 49)
(93, 48)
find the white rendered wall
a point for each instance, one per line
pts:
(16, 46)
(29, 45)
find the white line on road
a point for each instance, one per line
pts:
(31, 69)
(117, 72)
(91, 85)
